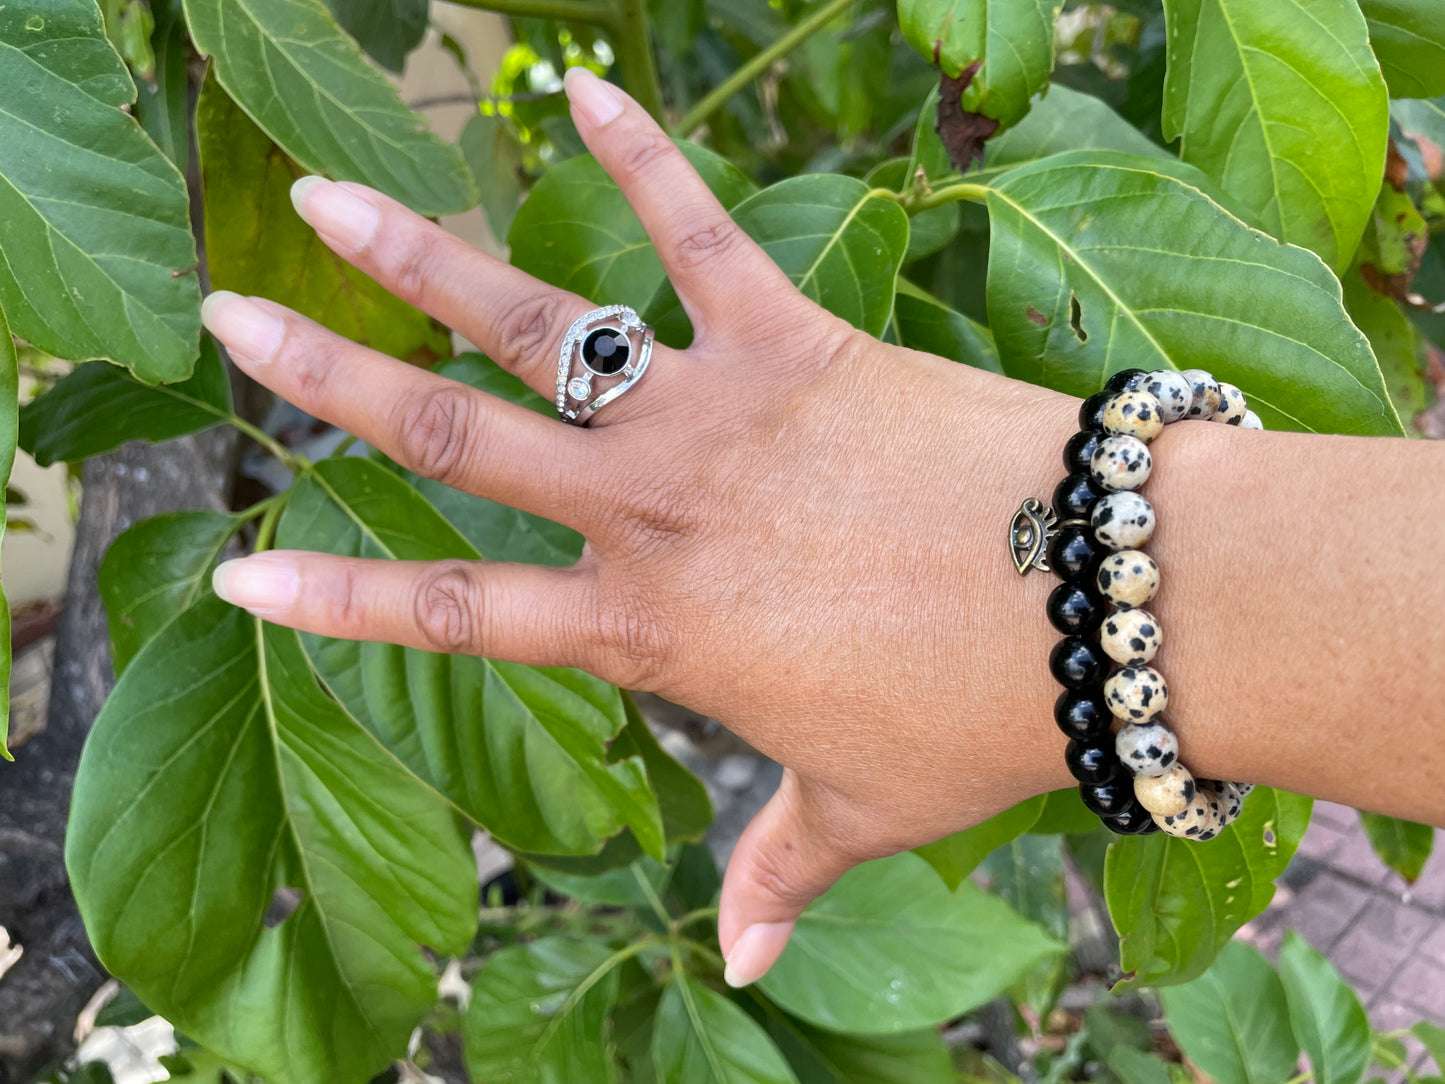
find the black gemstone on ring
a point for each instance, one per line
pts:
(605, 351)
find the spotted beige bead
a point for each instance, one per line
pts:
(1232, 405)
(1147, 748)
(1136, 694)
(1172, 391)
(1205, 399)
(1250, 421)
(1166, 795)
(1200, 819)
(1133, 413)
(1131, 637)
(1231, 801)
(1120, 463)
(1244, 789)
(1128, 578)
(1122, 521)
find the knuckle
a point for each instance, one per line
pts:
(632, 646)
(644, 153)
(709, 243)
(777, 875)
(436, 432)
(415, 271)
(446, 610)
(526, 331)
(345, 609)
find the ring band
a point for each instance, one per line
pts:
(610, 346)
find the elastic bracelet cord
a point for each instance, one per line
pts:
(1092, 540)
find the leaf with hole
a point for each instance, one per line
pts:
(99, 261)
(1327, 1017)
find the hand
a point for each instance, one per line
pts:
(807, 541)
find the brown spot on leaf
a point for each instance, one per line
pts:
(1397, 170)
(1036, 317)
(963, 133)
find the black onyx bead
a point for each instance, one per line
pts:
(1079, 452)
(1091, 762)
(1091, 414)
(1132, 820)
(1075, 496)
(605, 351)
(1107, 799)
(1120, 380)
(1075, 607)
(1076, 662)
(1083, 714)
(1074, 554)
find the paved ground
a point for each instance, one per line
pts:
(1386, 937)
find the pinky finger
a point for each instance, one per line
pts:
(521, 613)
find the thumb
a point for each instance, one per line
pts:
(784, 860)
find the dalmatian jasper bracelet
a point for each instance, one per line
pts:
(1092, 539)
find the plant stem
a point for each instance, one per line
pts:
(693, 916)
(917, 204)
(265, 440)
(267, 530)
(570, 11)
(699, 949)
(761, 62)
(650, 894)
(633, 48)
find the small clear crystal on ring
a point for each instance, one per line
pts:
(579, 388)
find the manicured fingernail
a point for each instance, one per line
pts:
(264, 583)
(754, 952)
(596, 99)
(343, 218)
(250, 332)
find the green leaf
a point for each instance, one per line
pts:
(538, 1014)
(841, 245)
(827, 1057)
(1432, 1038)
(1327, 1017)
(955, 857)
(1408, 37)
(97, 407)
(305, 82)
(9, 410)
(521, 750)
(1396, 344)
(1233, 1021)
(633, 886)
(1404, 846)
(1066, 813)
(154, 571)
(700, 1037)
(1013, 44)
(494, 154)
(925, 323)
(1067, 120)
(929, 230)
(1100, 261)
(1027, 873)
(686, 807)
(577, 231)
(99, 261)
(890, 948)
(163, 107)
(1136, 1067)
(217, 774)
(1257, 91)
(257, 244)
(1176, 903)
(386, 29)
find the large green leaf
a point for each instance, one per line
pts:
(1397, 345)
(305, 82)
(1102, 261)
(925, 323)
(9, 409)
(1408, 37)
(700, 1037)
(98, 256)
(1233, 1021)
(890, 948)
(840, 244)
(1283, 102)
(386, 29)
(577, 231)
(156, 570)
(1176, 903)
(955, 857)
(98, 407)
(828, 1057)
(1028, 874)
(1404, 846)
(1327, 1017)
(219, 774)
(538, 1014)
(1067, 120)
(1012, 43)
(163, 107)
(257, 244)
(522, 750)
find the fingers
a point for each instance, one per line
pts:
(437, 427)
(528, 614)
(782, 862)
(516, 321)
(718, 270)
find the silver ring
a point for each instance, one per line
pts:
(603, 355)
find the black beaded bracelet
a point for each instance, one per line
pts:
(1090, 539)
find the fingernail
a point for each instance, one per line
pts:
(250, 332)
(596, 99)
(754, 952)
(264, 583)
(342, 217)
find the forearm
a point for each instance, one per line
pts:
(1301, 602)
